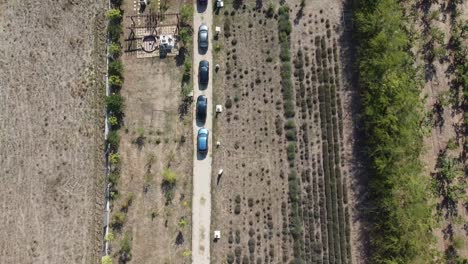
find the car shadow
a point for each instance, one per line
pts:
(202, 86)
(202, 51)
(200, 122)
(201, 8)
(201, 156)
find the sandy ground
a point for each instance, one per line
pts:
(51, 131)
(201, 201)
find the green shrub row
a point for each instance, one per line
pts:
(392, 111)
(296, 221)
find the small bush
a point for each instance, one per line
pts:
(186, 14)
(290, 124)
(230, 258)
(291, 135)
(116, 68)
(115, 81)
(169, 177)
(115, 103)
(271, 10)
(113, 120)
(114, 140)
(109, 237)
(118, 219)
(228, 103)
(237, 209)
(114, 30)
(185, 35)
(114, 158)
(217, 47)
(114, 15)
(106, 260)
(113, 178)
(126, 244)
(114, 50)
(291, 151)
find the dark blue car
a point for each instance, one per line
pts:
(202, 107)
(202, 140)
(203, 71)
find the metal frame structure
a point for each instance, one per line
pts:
(151, 23)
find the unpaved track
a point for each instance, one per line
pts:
(51, 85)
(201, 202)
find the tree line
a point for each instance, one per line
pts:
(392, 114)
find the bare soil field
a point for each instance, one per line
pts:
(155, 139)
(52, 61)
(441, 49)
(283, 176)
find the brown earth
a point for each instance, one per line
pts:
(52, 61)
(154, 137)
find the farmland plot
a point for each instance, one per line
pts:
(250, 199)
(51, 131)
(151, 164)
(284, 195)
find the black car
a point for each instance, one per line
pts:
(203, 71)
(202, 2)
(202, 106)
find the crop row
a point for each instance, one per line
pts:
(325, 189)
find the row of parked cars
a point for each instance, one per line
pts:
(202, 101)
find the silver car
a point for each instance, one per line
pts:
(203, 36)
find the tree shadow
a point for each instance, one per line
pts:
(180, 57)
(179, 239)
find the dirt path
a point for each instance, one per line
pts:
(201, 202)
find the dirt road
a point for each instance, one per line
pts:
(201, 202)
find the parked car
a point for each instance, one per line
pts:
(202, 106)
(203, 36)
(203, 71)
(202, 2)
(202, 140)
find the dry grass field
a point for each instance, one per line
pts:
(52, 61)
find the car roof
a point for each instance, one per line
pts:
(202, 131)
(203, 27)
